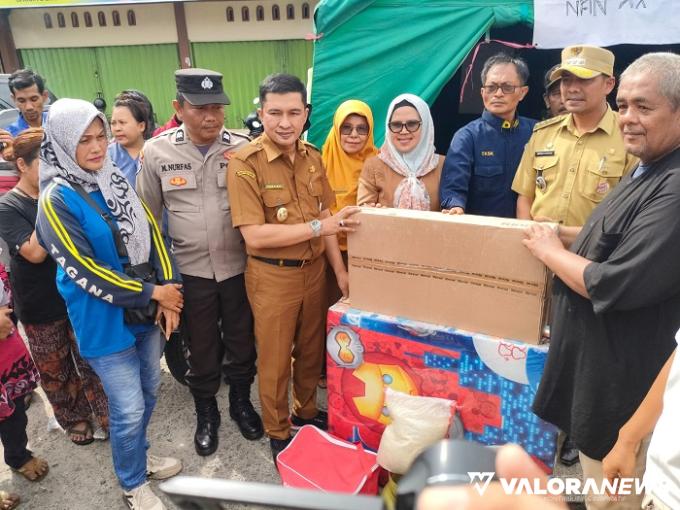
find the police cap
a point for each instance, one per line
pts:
(200, 86)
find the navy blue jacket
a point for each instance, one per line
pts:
(481, 164)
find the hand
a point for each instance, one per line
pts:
(541, 239)
(377, 205)
(343, 283)
(6, 324)
(339, 222)
(169, 323)
(454, 210)
(5, 139)
(169, 296)
(511, 462)
(620, 461)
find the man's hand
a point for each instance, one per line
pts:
(5, 139)
(6, 324)
(541, 240)
(167, 320)
(620, 461)
(454, 210)
(511, 462)
(169, 296)
(340, 222)
(343, 283)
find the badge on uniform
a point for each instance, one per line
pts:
(226, 137)
(178, 181)
(312, 169)
(602, 188)
(540, 180)
(539, 154)
(228, 155)
(282, 214)
(179, 135)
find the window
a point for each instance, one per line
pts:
(305, 10)
(230, 14)
(290, 11)
(61, 20)
(245, 14)
(276, 12)
(132, 19)
(115, 18)
(48, 20)
(74, 20)
(101, 18)
(88, 19)
(259, 13)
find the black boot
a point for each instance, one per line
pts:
(569, 452)
(207, 423)
(242, 412)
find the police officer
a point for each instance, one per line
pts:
(184, 171)
(484, 154)
(280, 199)
(573, 161)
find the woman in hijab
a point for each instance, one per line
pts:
(71, 386)
(405, 174)
(113, 267)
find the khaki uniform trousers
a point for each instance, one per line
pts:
(289, 307)
(593, 469)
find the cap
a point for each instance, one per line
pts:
(585, 62)
(547, 82)
(201, 86)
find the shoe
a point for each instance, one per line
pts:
(278, 445)
(142, 498)
(320, 421)
(569, 452)
(160, 468)
(207, 424)
(242, 412)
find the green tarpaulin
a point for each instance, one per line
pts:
(374, 50)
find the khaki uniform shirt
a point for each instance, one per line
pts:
(176, 176)
(579, 170)
(266, 187)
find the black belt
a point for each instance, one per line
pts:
(283, 262)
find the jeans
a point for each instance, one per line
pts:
(131, 379)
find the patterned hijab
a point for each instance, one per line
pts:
(411, 192)
(343, 169)
(66, 122)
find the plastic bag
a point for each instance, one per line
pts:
(417, 422)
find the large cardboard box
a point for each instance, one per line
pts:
(492, 380)
(469, 272)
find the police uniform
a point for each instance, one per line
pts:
(286, 286)
(567, 173)
(176, 176)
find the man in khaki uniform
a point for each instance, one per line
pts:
(280, 199)
(183, 171)
(573, 161)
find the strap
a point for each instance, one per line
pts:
(117, 239)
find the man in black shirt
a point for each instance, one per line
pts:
(616, 298)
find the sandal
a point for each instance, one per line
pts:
(34, 470)
(9, 500)
(82, 429)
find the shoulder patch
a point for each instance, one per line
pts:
(246, 173)
(548, 122)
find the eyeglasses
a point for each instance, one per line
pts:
(411, 126)
(347, 129)
(506, 88)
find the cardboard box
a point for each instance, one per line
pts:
(469, 272)
(492, 380)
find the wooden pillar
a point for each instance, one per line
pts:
(8, 52)
(182, 36)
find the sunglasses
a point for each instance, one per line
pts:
(411, 126)
(346, 129)
(506, 88)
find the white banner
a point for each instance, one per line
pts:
(560, 23)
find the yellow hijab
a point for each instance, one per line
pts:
(342, 169)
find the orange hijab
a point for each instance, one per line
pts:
(342, 169)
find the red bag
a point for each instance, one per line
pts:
(317, 460)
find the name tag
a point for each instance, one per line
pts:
(487, 153)
(273, 186)
(538, 154)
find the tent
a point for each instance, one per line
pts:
(377, 49)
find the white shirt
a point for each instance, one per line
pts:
(662, 475)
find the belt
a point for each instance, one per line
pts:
(283, 262)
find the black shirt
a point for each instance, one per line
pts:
(36, 298)
(606, 351)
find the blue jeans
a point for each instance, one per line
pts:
(130, 379)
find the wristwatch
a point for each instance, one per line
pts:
(316, 227)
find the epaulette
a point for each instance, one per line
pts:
(549, 122)
(311, 146)
(240, 135)
(248, 150)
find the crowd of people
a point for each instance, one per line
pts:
(245, 242)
